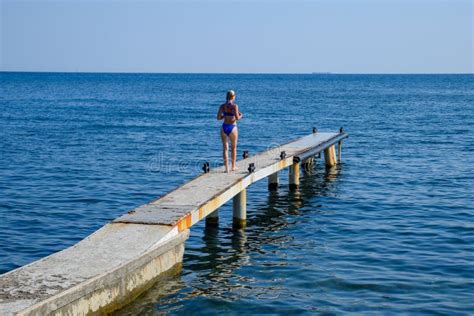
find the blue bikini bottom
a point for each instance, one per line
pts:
(227, 128)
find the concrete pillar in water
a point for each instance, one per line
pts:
(330, 156)
(213, 218)
(239, 209)
(339, 149)
(273, 182)
(294, 174)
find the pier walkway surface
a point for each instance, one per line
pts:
(111, 267)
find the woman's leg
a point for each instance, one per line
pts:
(225, 148)
(234, 135)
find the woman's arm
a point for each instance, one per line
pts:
(238, 115)
(220, 116)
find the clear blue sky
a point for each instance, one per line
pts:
(405, 36)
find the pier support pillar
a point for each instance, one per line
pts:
(273, 182)
(330, 156)
(308, 163)
(294, 176)
(339, 149)
(239, 209)
(213, 218)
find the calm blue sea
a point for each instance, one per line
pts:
(389, 231)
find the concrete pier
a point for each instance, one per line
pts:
(330, 156)
(99, 274)
(239, 209)
(115, 264)
(273, 182)
(339, 151)
(294, 174)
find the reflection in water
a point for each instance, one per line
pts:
(238, 242)
(211, 245)
(209, 266)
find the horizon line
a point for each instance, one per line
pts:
(239, 73)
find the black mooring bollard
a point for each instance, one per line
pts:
(205, 167)
(251, 167)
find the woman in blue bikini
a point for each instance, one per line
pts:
(229, 112)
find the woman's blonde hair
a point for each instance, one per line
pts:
(230, 95)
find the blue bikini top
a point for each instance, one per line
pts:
(229, 104)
